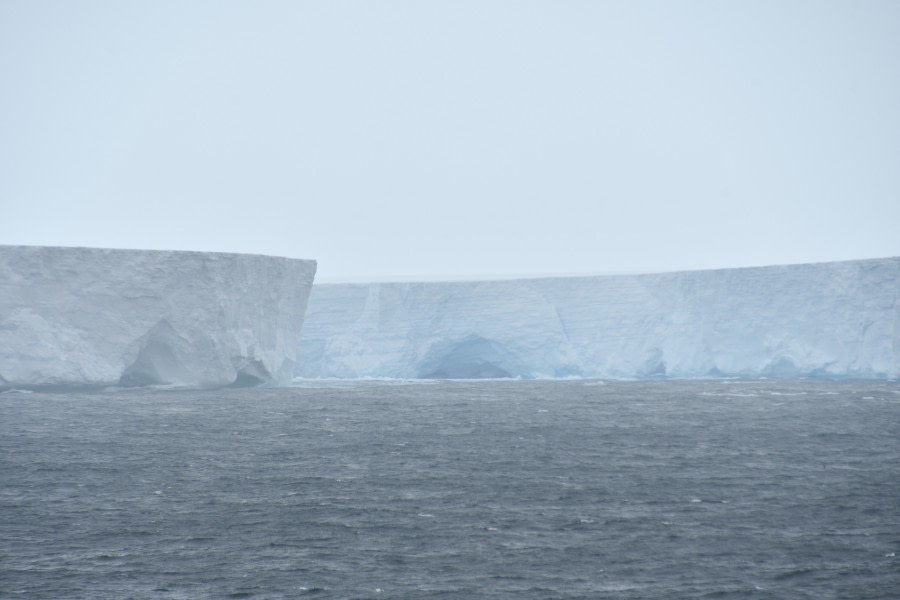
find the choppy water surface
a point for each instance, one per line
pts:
(454, 490)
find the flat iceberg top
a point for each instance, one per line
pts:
(179, 254)
(97, 316)
(839, 319)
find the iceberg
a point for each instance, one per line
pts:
(82, 317)
(839, 319)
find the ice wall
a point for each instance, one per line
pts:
(830, 319)
(74, 317)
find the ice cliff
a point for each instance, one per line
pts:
(73, 317)
(832, 319)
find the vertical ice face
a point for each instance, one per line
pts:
(830, 319)
(89, 316)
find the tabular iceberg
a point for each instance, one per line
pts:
(73, 317)
(837, 319)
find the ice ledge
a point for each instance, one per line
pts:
(92, 317)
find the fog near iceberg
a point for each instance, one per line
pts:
(438, 140)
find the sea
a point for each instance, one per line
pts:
(454, 489)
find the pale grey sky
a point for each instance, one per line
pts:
(434, 139)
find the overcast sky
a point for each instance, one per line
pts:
(429, 139)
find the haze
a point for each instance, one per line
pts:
(431, 140)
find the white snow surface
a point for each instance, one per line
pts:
(839, 319)
(73, 317)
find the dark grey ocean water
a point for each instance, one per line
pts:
(574, 489)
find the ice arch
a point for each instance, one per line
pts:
(472, 357)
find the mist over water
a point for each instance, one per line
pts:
(515, 489)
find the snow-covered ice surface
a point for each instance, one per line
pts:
(74, 317)
(839, 319)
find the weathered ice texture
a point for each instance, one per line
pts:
(831, 320)
(91, 317)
